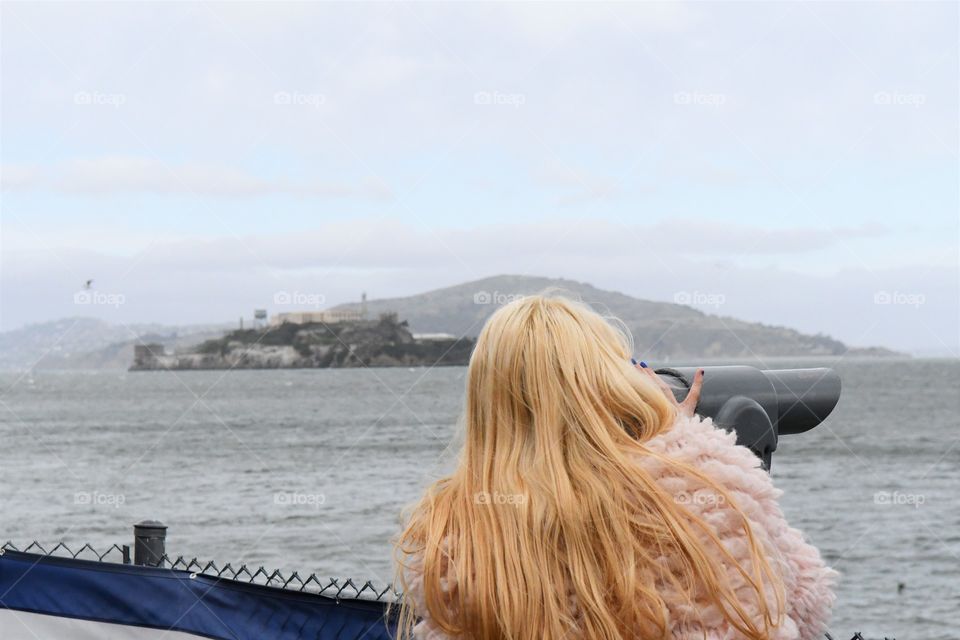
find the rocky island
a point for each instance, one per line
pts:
(384, 342)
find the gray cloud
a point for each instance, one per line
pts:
(578, 185)
(125, 174)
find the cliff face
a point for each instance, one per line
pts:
(386, 342)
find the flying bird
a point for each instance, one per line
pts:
(88, 285)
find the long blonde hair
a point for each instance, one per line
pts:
(547, 500)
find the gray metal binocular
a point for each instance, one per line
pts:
(760, 405)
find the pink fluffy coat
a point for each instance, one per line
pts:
(807, 580)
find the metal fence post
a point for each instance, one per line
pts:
(149, 543)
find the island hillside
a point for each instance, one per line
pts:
(660, 329)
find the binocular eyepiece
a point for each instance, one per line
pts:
(760, 405)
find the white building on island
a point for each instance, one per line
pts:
(306, 317)
(328, 316)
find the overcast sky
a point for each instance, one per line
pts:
(787, 163)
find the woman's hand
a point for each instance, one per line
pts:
(688, 406)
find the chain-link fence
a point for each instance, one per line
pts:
(338, 588)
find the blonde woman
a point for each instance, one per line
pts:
(588, 503)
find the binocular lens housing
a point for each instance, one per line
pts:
(759, 405)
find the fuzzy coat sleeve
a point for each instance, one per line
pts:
(697, 442)
(807, 580)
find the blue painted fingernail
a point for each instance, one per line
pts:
(633, 361)
(643, 364)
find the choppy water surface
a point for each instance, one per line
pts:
(308, 470)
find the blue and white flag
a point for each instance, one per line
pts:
(52, 598)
